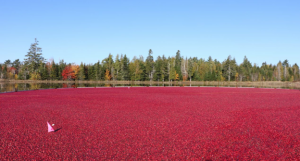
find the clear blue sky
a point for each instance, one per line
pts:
(87, 31)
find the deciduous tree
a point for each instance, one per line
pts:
(107, 75)
(68, 73)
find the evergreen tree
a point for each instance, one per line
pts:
(143, 68)
(161, 69)
(296, 72)
(61, 67)
(53, 70)
(4, 72)
(7, 63)
(117, 69)
(108, 63)
(43, 72)
(149, 65)
(285, 65)
(91, 72)
(164, 69)
(229, 68)
(34, 57)
(56, 72)
(178, 64)
(171, 69)
(16, 64)
(247, 68)
(191, 69)
(157, 69)
(125, 68)
(86, 72)
(241, 72)
(97, 71)
(81, 74)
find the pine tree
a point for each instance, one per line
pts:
(149, 65)
(164, 69)
(44, 72)
(171, 69)
(91, 72)
(178, 64)
(97, 71)
(81, 75)
(52, 70)
(246, 68)
(229, 68)
(125, 68)
(157, 69)
(108, 63)
(142, 65)
(16, 64)
(34, 57)
(61, 67)
(55, 71)
(191, 69)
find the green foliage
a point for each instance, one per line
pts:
(97, 70)
(43, 72)
(107, 63)
(35, 76)
(149, 66)
(135, 70)
(16, 64)
(4, 72)
(124, 68)
(34, 57)
(178, 64)
(81, 75)
(53, 68)
(229, 68)
(61, 66)
(171, 69)
(162, 69)
(91, 72)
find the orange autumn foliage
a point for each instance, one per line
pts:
(75, 68)
(107, 75)
(176, 76)
(70, 72)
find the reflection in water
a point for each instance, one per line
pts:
(107, 85)
(10, 87)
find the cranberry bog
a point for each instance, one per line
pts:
(151, 123)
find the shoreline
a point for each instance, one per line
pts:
(183, 83)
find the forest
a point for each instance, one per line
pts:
(120, 67)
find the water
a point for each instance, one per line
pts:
(14, 87)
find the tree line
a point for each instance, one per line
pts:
(120, 67)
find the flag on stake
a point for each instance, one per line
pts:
(50, 128)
